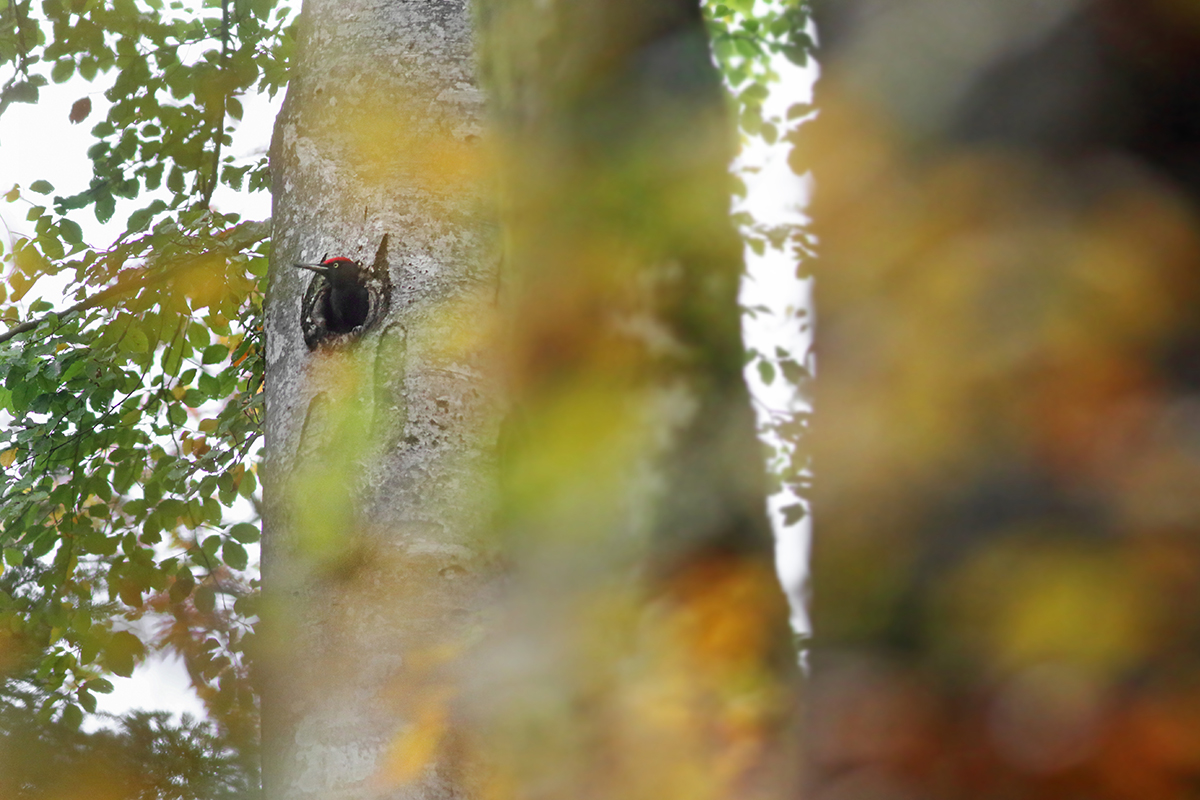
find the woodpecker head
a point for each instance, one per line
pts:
(335, 269)
(347, 300)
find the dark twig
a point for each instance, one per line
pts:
(219, 114)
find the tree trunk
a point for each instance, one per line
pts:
(380, 444)
(608, 623)
(632, 474)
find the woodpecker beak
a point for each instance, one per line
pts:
(318, 268)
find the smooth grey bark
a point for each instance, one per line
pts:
(379, 450)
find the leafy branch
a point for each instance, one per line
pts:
(133, 282)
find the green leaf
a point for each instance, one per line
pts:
(62, 70)
(793, 371)
(52, 247)
(248, 485)
(96, 542)
(234, 555)
(766, 371)
(245, 532)
(153, 176)
(41, 187)
(795, 53)
(177, 414)
(72, 716)
(140, 220)
(172, 357)
(122, 653)
(215, 354)
(797, 110)
(105, 206)
(209, 386)
(754, 93)
(13, 557)
(751, 119)
(71, 232)
(135, 340)
(746, 48)
(23, 92)
(183, 585)
(205, 599)
(793, 514)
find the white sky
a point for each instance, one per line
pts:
(775, 196)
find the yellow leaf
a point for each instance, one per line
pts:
(8, 457)
(416, 747)
(20, 285)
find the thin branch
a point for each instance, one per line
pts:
(121, 289)
(219, 121)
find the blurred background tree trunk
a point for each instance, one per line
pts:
(633, 483)
(608, 623)
(1006, 562)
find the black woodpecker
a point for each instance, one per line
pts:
(347, 301)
